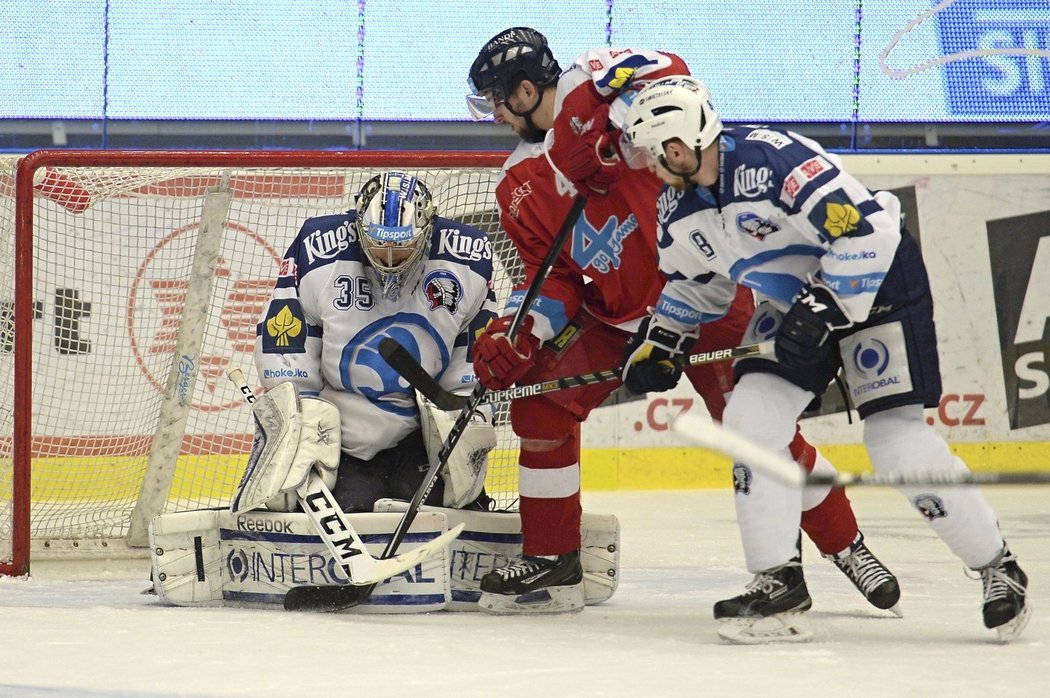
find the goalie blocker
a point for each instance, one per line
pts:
(217, 558)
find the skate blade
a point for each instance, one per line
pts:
(782, 627)
(1012, 629)
(561, 599)
(895, 609)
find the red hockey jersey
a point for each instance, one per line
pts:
(609, 262)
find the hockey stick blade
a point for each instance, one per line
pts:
(331, 599)
(715, 437)
(406, 365)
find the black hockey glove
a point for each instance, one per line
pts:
(803, 337)
(652, 358)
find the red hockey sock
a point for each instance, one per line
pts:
(831, 525)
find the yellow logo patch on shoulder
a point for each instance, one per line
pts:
(842, 219)
(284, 328)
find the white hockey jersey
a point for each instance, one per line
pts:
(323, 325)
(783, 211)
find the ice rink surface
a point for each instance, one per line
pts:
(655, 637)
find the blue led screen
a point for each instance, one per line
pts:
(835, 61)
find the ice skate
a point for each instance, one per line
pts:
(770, 610)
(1006, 608)
(534, 585)
(869, 575)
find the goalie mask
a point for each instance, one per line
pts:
(508, 58)
(673, 107)
(394, 221)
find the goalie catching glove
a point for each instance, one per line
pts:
(293, 435)
(468, 463)
(803, 337)
(498, 363)
(652, 360)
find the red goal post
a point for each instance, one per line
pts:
(132, 281)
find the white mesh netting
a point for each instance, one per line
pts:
(113, 249)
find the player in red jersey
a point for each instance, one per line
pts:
(597, 294)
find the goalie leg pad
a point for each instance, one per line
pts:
(252, 559)
(186, 559)
(493, 539)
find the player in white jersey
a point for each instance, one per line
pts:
(842, 284)
(388, 268)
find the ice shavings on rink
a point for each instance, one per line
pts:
(655, 637)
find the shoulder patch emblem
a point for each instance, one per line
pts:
(754, 225)
(443, 290)
(842, 219)
(284, 329)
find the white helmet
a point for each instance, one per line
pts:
(394, 222)
(673, 107)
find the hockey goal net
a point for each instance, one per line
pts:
(129, 283)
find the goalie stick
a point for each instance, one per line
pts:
(715, 437)
(343, 597)
(338, 534)
(406, 364)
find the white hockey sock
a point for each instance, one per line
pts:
(764, 408)
(900, 441)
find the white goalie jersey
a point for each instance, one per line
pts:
(326, 318)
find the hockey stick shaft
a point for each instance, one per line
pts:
(716, 437)
(406, 365)
(1019, 477)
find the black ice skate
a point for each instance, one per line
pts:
(1006, 609)
(770, 610)
(870, 576)
(535, 585)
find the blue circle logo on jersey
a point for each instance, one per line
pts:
(871, 357)
(766, 322)
(363, 369)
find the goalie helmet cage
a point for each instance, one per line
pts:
(133, 280)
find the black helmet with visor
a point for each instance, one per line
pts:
(513, 55)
